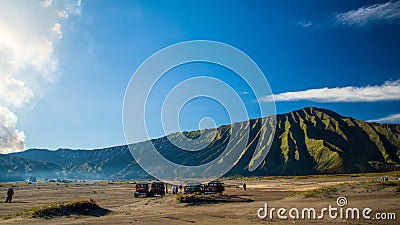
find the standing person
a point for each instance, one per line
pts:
(166, 188)
(244, 186)
(174, 189)
(10, 194)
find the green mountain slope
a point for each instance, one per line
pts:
(313, 140)
(306, 141)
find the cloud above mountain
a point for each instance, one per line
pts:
(389, 91)
(28, 61)
(394, 118)
(388, 12)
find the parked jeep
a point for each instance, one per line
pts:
(142, 189)
(214, 187)
(157, 188)
(192, 188)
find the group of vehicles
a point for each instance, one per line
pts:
(143, 189)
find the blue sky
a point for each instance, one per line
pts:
(64, 81)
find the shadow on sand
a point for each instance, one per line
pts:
(213, 199)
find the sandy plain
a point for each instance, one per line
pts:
(285, 192)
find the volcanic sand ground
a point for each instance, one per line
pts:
(125, 209)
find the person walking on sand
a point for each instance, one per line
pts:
(10, 194)
(244, 186)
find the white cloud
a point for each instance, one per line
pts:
(74, 7)
(305, 24)
(27, 59)
(11, 139)
(388, 12)
(14, 92)
(395, 118)
(389, 91)
(62, 14)
(46, 3)
(57, 29)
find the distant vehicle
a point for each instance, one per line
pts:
(157, 188)
(192, 188)
(214, 187)
(142, 189)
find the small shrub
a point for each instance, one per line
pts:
(184, 197)
(391, 183)
(59, 209)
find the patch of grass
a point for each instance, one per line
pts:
(383, 184)
(13, 185)
(186, 197)
(373, 185)
(355, 175)
(388, 184)
(270, 178)
(379, 174)
(391, 183)
(6, 217)
(82, 207)
(198, 198)
(326, 176)
(326, 192)
(114, 182)
(358, 187)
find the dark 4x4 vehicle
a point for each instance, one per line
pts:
(214, 187)
(157, 188)
(192, 188)
(142, 189)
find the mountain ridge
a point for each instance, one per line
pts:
(307, 141)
